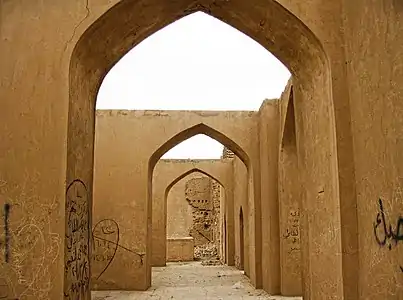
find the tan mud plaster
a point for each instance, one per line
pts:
(51, 75)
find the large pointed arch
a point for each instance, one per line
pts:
(114, 32)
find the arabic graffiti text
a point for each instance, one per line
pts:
(385, 233)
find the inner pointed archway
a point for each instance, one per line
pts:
(192, 209)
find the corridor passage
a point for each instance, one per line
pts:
(193, 281)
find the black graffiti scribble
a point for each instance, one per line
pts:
(107, 227)
(104, 231)
(77, 241)
(7, 208)
(390, 236)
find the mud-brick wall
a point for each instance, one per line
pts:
(179, 212)
(215, 197)
(198, 195)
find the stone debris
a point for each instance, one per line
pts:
(206, 252)
(237, 286)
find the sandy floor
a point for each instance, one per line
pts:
(192, 281)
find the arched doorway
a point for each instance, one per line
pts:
(277, 30)
(239, 152)
(206, 235)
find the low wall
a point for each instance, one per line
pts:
(180, 249)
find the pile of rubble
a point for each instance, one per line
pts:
(211, 262)
(207, 253)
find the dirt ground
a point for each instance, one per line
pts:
(192, 281)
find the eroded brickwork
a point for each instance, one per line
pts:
(215, 195)
(227, 154)
(203, 194)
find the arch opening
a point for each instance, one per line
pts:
(224, 140)
(193, 210)
(166, 59)
(108, 38)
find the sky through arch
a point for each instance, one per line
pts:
(195, 63)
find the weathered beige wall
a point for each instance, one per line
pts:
(121, 192)
(223, 224)
(374, 69)
(289, 200)
(48, 94)
(166, 174)
(198, 194)
(180, 249)
(179, 212)
(241, 201)
(268, 135)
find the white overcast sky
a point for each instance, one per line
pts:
(195, 63)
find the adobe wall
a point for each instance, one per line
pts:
(198, 195)
(179, 212)
(192, 211)
(180, 249)
(289, 190)
(128, 184)
(241, 200)
(374, 69)
(36, 70)
(48, 93)
(165, 174)
(268, 135)
(216, 196)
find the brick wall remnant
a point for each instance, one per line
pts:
(227, 154)
(203, 194)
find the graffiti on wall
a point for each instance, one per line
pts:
(28, 245)
(292, 232)
(106, 237)
(385, 233)
(7, 208)
(77, 264)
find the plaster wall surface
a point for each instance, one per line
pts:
(289, 190)
(268, 136)
(168, 172)
(179, 212)
(241, 201)
(198, 194)
(121, 175)
(180, 249)
(50, 77)
(375, 73)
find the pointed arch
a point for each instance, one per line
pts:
(187, 173)
(195, 130)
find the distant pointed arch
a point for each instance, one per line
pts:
(192, 131)
(187, 173)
